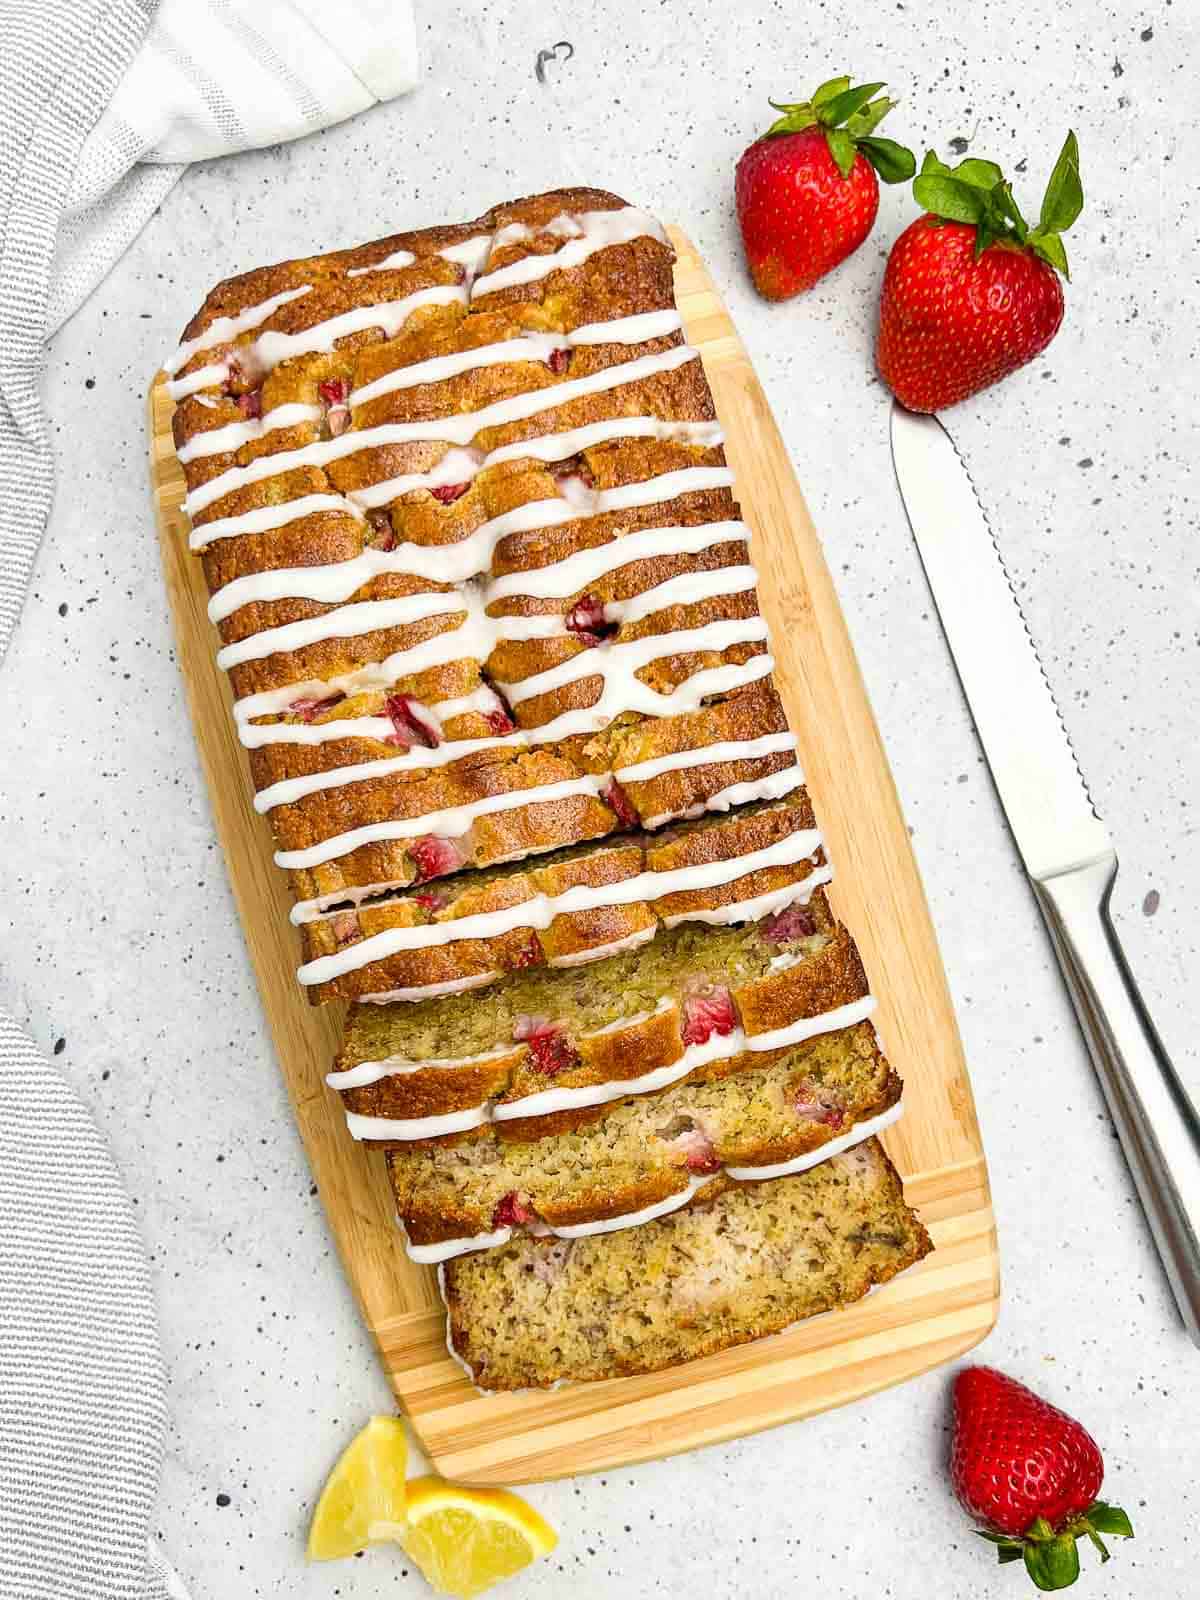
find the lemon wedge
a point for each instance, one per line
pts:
(465, 1540)
(363, 1501)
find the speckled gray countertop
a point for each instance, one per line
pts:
(118, 941)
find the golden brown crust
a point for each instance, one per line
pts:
(572, 934)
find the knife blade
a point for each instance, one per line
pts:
(1066, 849)
(1041, 787)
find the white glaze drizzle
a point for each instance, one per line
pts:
(823, 1152)
(449, 823)
(597, 230)
(618, 663)
(346, 622)
(540, 910)
(368, 1072)
(430, 991)
(470, 253)
(271, 348)
(362, 1127)
(459, 429)
(222, 330)
(807, 1027)
(203, 378)
(709, 755)
(446, 1249)
(262, 519)
(233, 435)
(529, 346)
(575, 573)
(757, 906)
(255, 735)
(392, 263)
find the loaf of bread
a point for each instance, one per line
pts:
(475, 561)
(741, 1261)
(485, 600)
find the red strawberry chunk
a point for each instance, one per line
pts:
(511, 1211)
(708, 1011)
(311, 708)
(586, 619)
(793, 922)
(412, 723)
(499, 722)
(529, 954)
(434, 857)
(447, 493)
(345, 927)
(550, 1051)
(382, 535)
(334, 391)
(430, 901)
(697, 1150)
(620, 803)
(558, 361)
(250, 403)
(816, 1104)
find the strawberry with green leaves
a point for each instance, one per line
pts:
(1031, 1475)
(807, 191)
(971, 291)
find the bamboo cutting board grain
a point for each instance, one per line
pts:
(929, 1314)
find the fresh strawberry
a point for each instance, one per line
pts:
(1031, 1474)
(335, 393)
(807, 193)
(971, 291)
(558, 361)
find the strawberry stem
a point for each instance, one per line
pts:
(848, 117)
(977, 192)
(1051, 1556)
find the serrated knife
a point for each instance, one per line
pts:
(1066, 849)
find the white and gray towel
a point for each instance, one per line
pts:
(102, 105)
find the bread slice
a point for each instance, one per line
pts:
(570, 907)
(742, 1261)
(593, 1033)
(644, 1151)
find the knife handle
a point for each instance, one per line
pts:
(1154, 1118)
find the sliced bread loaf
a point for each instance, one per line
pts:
(743, 1260)
(632, 1023)
(646, 1152)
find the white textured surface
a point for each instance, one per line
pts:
(118, 933)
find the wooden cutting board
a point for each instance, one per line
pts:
(928, 1315)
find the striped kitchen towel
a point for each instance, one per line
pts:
(103, 103)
